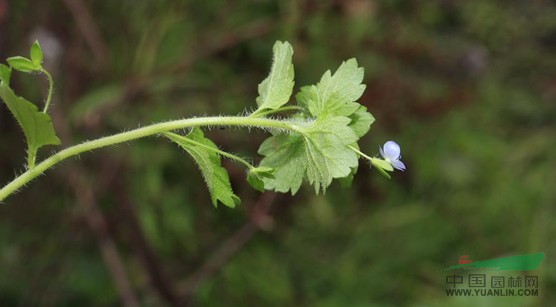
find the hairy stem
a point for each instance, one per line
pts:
(260, 113)
(361, 153)
(31, 157)
(50, 89)
(138, 133)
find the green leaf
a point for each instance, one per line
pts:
(209, 163)
(285, 153)
(36, 54)
(319, 153)
(256, 176)
(334, 95)
(22, 64)
(37, 126)
(256, 182)
(361, 121)
(277, 88)
(5, 74)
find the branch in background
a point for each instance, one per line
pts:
(210, 46)
(157, 276)
(95, 220)
(218, 43)
(87, 26)
(84, 193)
(86, 199)
(259, 220)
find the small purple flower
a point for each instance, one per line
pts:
(392, 154)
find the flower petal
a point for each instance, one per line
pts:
(397, 164)
(391, 150)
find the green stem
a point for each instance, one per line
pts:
(138, 133)
(381, 165)
(216, 150)
(50, 89)
(361, 153)
(260, 113)
(31, 157)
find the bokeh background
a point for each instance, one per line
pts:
(468, 88)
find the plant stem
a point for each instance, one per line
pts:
(138, 133)
(50, 89)
(216, 150)
(361, 153)
(282, 109)
(31, 157)
(375, 162)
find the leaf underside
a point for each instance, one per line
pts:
(209, 162)
(320, 152)
(277, 88)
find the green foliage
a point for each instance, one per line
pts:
(276, 89)
(5, 73)
(466, 86)
(321, 150)
(319, 153)
(22, 64)
(361, 121)
(319, 145)
(256, 176)
(216, 177)
(37, 126)
(36, 54)
(335, 95)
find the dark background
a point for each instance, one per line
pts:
(467, 88)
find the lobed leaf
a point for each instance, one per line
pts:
(216, 177)
(286, 154)
(37, 126)
(319, 153)
(277, 88)
(334, 95)
(361, 121)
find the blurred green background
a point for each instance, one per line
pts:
(467, 88)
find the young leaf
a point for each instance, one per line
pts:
(36, 54)
(209, 163)
(5, 73)
(37, 126)
(334, 95)
(320, 153)
(22, 64)
(255, 182)
(276, 89)
(255, 177)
